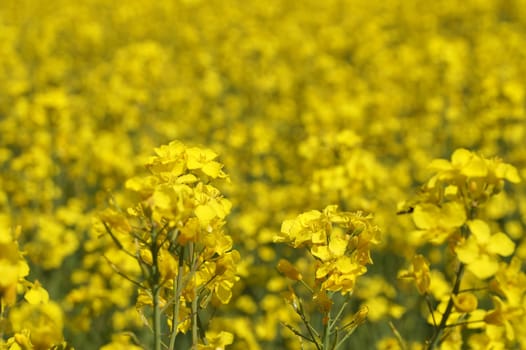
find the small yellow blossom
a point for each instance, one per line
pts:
(37, 294)
(419, 271)
(217, 341)
(480, 250)
(465, 302)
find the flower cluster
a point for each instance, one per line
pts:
(450, 213)
(174, 231)
(34, 322)
(339, 241)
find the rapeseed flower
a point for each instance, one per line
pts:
(481, 249)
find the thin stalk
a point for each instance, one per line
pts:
(123, 275)
(2, 317)
(469, 290)
(156, 319)
(327, 333)
(464, 323)
(431, 311)
(156, 291)
(195, 304)
(437, 335)
(296, 332)
(398, 336)
(312, 332)
(177, 287)
(194, 323)
(344, 339)
(338, 315)
(306, 286)
(433, 342)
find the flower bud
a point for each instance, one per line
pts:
(289, 270)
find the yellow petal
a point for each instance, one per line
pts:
(440, 165)
(501, 244)
(425, 216)
(307, 217)
(476, 167)
(338, 246)
(212, 169)
(194, 160)
(208, 154)
(508, 172)
(460, 157)
(161, 199)
(483, 267)
(345, 265)
(319, 237)
(453, 215)
(321, 252)
(465, 302)
(23, 268)
(37, 295)
(187, 179)
(10, 273)
(451, 191)
(468, 251)
(204, 213)
(221, 207)
(286, 225)
(224, 292)
(480, 230)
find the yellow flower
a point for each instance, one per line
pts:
(465, 302)
(217, 341)
(463, 162)
(480, 250)
(339, 240)
(37, 294)
(14, 268)
(301, 230)
(438, 223)
(475, 176)
(419, 271)
(20, 341)
(44, 322)
(510, 281)
(502, 314)
(121, 341)
(170, 161)
(203, 159)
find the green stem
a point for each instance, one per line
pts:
(156, 319)
(338, 315)
(156, 291)
(2, 317)
(306, 286)
(312, 332)
(193, 264)
(437, 335)
(327, 333)
(194, 323)
(464, 323)
(398, 336)
(177, 287)
(344, 339)
(433, 342)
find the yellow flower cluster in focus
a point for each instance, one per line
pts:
(339, 241)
